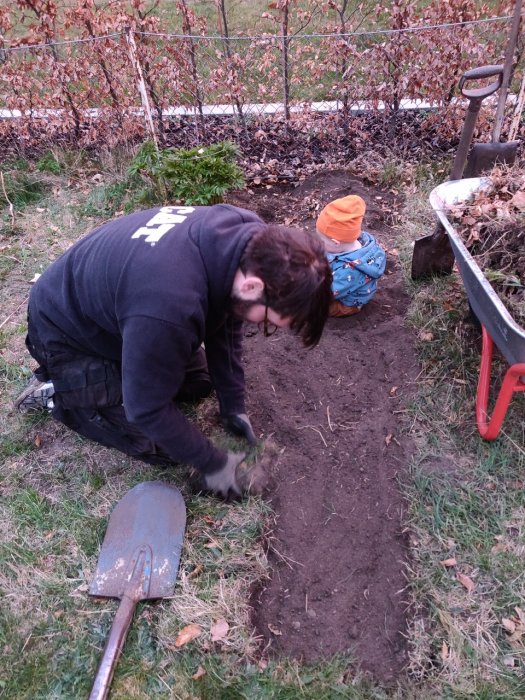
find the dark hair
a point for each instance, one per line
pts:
(296, 275)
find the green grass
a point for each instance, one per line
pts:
(465, 500)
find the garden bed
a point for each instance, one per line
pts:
(337, 549)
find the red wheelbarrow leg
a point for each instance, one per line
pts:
(489, 428)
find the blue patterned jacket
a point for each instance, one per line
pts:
(355, 274)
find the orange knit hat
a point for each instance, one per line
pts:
(342, 218)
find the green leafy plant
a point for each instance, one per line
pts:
(106, 201)
(48, 163)
(200, 175)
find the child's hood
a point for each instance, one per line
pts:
(370, 259)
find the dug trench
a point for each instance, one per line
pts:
(337, 550)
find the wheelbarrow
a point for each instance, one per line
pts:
(498, 326)
(433, 254)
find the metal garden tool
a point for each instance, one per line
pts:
(138, 560)
(433, 254)
(483, 156)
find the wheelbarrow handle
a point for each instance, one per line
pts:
(477, 74)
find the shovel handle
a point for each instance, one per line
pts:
(478, 74)
(114, 644)
(475, 97)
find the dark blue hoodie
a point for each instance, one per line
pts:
(146, 290)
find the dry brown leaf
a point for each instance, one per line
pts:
(466, 581)
(388, 439)
(219, 630)
(274, 630)
(187, 634)
(518, 200)
(196, 571)
(393, 390)
(426, 336)
(515, 628)
(449, 562)
(444, 651)
(509, 625)
(500, 547)
(38, 441)
(199, 673)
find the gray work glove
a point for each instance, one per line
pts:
(224, 480)
(237, 477)
(239, 424)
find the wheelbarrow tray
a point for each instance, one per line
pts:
(506, 333)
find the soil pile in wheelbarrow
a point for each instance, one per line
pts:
(492, 226)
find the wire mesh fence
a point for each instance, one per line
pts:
(101, 88)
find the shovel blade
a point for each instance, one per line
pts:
(432, 255)
(484, 156)
(146, 526)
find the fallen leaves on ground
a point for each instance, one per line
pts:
(426, 336)
(449, 562)
(196, 571)
(187, 634)
(219, 630)
(515, 628)
(466, 581)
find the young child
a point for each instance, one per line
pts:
(356, 259)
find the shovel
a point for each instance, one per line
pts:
(484, 156)
(433, 254)
(139, 560)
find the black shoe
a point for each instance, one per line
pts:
(197, 389)
(37, 396)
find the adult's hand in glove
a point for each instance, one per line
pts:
(239, 424)
(238, 477)
(224, 480)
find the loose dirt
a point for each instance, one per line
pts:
(337, 550)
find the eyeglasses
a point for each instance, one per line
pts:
(268, 328)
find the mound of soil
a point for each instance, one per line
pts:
(337, 550)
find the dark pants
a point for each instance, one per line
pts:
(88, 396)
